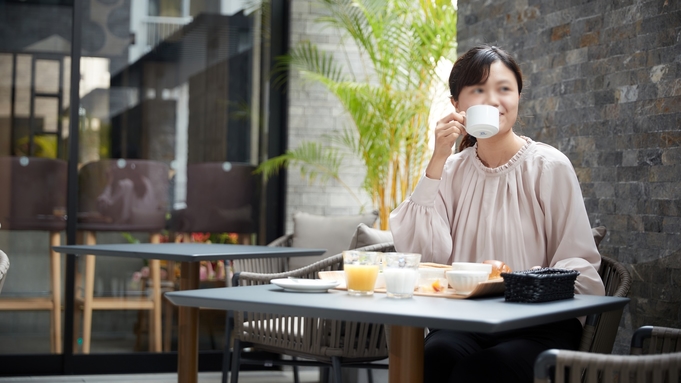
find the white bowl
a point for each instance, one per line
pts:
(464, 281)
(472, 266)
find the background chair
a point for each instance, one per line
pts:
(326, 342)
(600, 330)
(221, 198)
(4, 267)
(333, 233)
(662, 362)
(123, 196)
(34, 198)
(656, 339)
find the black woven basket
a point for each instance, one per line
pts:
(542, 285)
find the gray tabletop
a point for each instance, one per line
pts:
(479, 315)
(187, 252)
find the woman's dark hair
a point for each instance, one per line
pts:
(472, 68)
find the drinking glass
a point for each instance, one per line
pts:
(401, 273)
(361, 271)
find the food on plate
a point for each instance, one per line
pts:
(437, 286)
(498, 267)
(433, 285)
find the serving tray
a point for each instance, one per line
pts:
(487, 288)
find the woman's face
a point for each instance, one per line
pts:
(500, 90)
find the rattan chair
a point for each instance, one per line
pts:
(4, 266)
(655, 340)
(600, 330)
(661, 364)
(325, 342)
(266, 265)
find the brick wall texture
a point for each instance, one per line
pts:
(315, 114)
(603, 85)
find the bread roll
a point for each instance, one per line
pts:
(498, 267)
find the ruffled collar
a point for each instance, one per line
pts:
(516, 159)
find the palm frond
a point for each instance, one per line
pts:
(403, 41)
(306, 57)
(315, 161)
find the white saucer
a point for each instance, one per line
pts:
(305, 285)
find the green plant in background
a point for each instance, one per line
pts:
(45, 146)
(400, 44)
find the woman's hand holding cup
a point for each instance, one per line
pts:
(447, 130)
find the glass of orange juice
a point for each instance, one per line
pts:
(361, 271)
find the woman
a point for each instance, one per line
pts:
(507, 198)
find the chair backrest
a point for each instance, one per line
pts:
(600, 330)
(4, 267)
(123, 195)
(655, 340)
(265, 265)
(220, 198)
(607, 368)
(34, 193)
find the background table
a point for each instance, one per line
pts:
(406, 318)
(189, 255)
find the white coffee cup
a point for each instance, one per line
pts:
(482, 121)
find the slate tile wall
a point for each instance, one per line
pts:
(603, 85)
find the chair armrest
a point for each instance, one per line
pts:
(543, 364)
(283, 241)
(640, 335)
(334, 262)
(309, 272)
(386, 247)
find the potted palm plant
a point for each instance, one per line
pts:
(402, 42)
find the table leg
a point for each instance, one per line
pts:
(188, 326)
(406, 355)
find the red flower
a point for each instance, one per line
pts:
(200, 237)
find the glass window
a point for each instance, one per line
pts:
(167, 8)
(167, 88)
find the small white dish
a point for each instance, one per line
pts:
(304, 285)
(465, 281)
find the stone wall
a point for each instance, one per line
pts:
(314, 114)
(603, 85)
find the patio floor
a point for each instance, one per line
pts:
(204, 377)
(307, 375)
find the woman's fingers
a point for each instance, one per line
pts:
(451, 117)
(448, 129)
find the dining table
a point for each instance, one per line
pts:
(406, 318)
(189, 255)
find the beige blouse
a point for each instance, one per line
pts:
(528, 212)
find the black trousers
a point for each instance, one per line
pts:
(462, 357)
